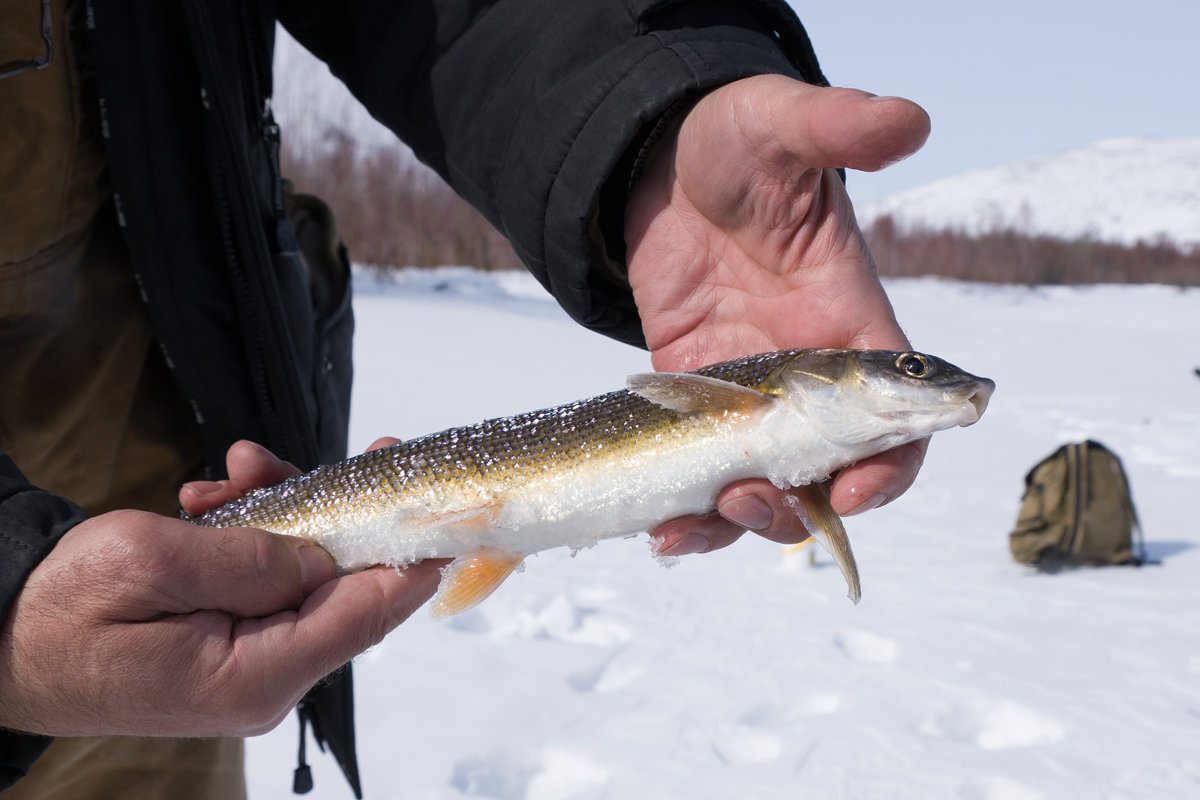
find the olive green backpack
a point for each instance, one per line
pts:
(1077, 510)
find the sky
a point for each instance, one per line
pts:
(1003, 82)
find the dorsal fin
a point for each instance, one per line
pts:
(689, 393)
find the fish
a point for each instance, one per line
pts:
(490, 494)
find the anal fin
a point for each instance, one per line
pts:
(468, 580)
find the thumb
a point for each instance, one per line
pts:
(784, 120)
(182, 568)
(850, 128)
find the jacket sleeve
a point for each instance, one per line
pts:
(31, 522)
(528, 107)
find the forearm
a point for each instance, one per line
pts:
(31, 522)
(529, 108)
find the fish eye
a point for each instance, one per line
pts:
(915, 365)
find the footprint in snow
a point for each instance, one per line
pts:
(867, 647)
(550, 775)
(994, 725)
(561, 619)
(738, 743)
(612, 674)
(494, 776)
(748, 739)
(992, 787)
(818, 704)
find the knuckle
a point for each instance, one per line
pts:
(126, 546)
(276, 563)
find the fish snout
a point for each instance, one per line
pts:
(978, 394)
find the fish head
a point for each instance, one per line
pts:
(880, 398)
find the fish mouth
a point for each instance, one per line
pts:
(980, 393)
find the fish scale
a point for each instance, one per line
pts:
(491, 493)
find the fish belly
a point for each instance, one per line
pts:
(603, 497)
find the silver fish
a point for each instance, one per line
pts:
(488, 495)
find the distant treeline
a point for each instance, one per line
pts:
(1011, 256)
(393, 211)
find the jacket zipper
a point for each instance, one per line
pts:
(260, 67)
(255, 355)
(275, 381)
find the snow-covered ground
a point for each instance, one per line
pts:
(746, 673)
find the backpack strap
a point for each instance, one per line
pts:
(1137, 537)
(1076, 492)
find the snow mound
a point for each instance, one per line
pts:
(1117, 190)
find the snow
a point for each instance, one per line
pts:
(1118, 190)
(745, 673)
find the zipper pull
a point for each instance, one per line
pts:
(272, 136)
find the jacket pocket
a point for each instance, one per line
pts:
(318, 244)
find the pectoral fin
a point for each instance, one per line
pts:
(468, 580)
(812, 506)
(687, 393)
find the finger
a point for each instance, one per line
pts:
(248, 680)
(753, 505)
(382, 442)
(877, 480)
(196, 497)
(761, 507)
(294, 650)
(684, 536)
(356, 611)
(249, 465)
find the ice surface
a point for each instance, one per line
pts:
(744, 673)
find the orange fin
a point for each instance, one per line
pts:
(789, 549)
(468, 580)
(689, 393)
(476, 519)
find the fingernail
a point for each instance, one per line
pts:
(692, 543)
(260, 450)
(748, 511)
(203, 488)
(316, 568)
(874, 501)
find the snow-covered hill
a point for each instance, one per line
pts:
(1119, 190)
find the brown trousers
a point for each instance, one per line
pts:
(87, 406)
(135, 768)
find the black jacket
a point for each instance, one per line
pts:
(531, 110)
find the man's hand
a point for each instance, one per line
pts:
(142, 624)
(741, 239)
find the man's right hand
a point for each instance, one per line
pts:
(145, 625)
